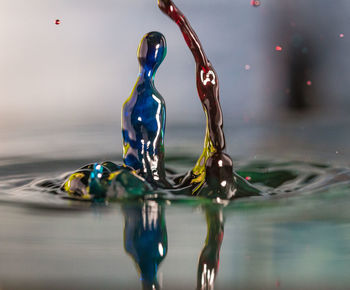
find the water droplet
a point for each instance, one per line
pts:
(309, 83)
(278, 48)
(341, 35)
(57, 22)
(255, 3)
(247, 67)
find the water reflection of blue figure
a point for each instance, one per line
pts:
(145, 239)
(143, 115)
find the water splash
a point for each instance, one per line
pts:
(143, 130)
(143, 174)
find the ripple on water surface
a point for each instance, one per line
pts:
(298, 227)
(40, 181)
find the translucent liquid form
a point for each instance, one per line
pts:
(143, 115)
(143, 129)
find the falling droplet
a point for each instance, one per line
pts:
(309, 83)
(247, 67)
(255, 3)
(57, 22)
(341, 35)
(278, 48)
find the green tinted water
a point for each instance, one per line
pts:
(295, 236)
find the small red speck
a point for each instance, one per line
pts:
(248, 178)
(278, 48)
(309, 83)
(341, 35)
(255, 3)
(247, 67)
(57, 22)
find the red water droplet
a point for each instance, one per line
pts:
(255, 3)
(57, 22)
(309, 83)
(341, 35)
(248, 178)
(278, 48)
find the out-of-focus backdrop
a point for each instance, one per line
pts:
(283, 68)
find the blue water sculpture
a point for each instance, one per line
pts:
(143, 115)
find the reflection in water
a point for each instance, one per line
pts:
(208, 265)
(145, 239)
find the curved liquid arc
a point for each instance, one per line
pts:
(213, 164)
(206, 78)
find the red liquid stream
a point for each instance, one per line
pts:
(206, 77)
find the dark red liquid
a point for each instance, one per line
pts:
(206, 77)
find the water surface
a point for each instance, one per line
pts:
(296, 237)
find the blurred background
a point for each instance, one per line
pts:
(283, 68)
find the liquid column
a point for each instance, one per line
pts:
(208, 92)
(143, 115)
